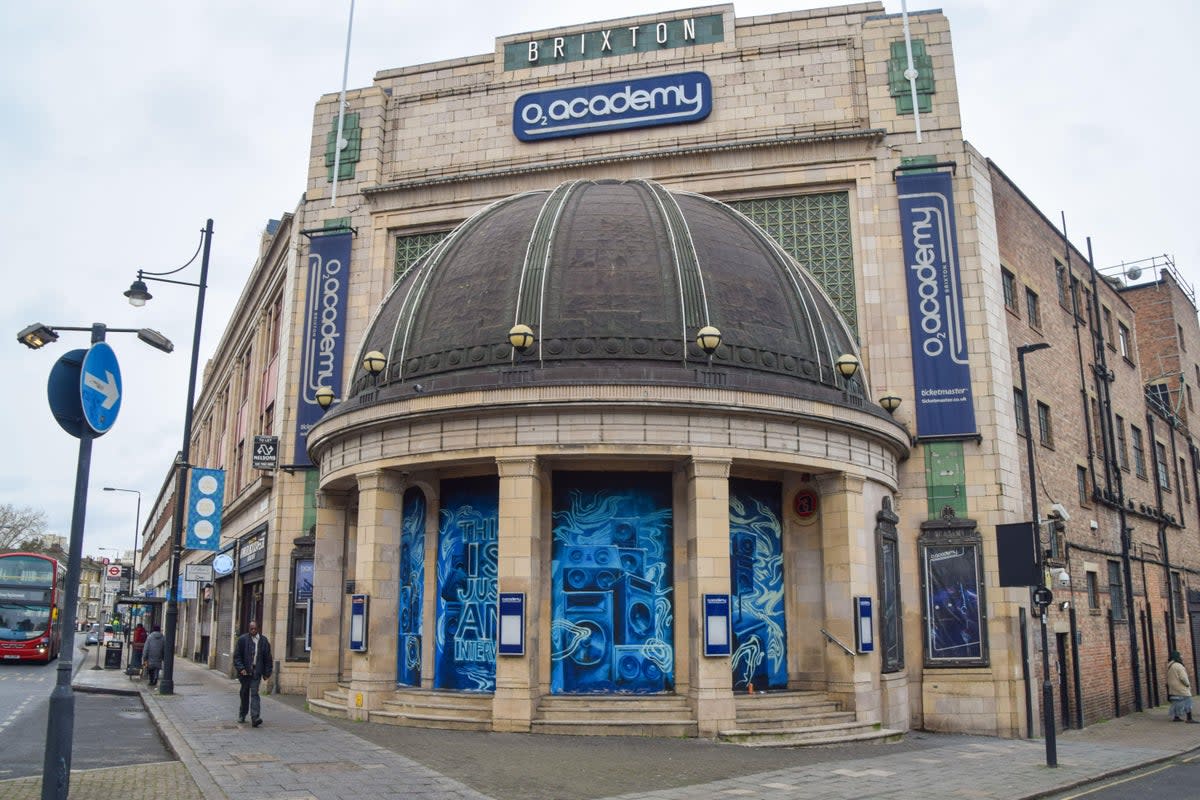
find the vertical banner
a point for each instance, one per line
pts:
(206, 500)
(941, 374)
(324, 328)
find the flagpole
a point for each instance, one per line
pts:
(337, 141)
(910, 73)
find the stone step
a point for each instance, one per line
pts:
(409, 718)
(812, 736)
(787, 712)
(327, 707)
(795, 721)
(605, 713)
(676, 728)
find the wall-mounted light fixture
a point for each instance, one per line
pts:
(521, 337)
(709, 339)
(324, 397)
(890, 402)
(374, 362)
(846, 365)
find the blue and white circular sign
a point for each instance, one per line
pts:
(100, 387)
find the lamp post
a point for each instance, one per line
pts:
(138, 295)
(137, 523)
(137, 526)
(1042, 596)
(60, 716)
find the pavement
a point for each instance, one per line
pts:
(298, 755)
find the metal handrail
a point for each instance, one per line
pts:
(835, 640)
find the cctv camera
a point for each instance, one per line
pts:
(1060, 511)
(1064, 577)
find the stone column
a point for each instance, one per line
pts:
(329, 572)
(711, 691)
(519, 569)
(845, 536)
(377, 568)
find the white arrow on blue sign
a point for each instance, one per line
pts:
(100, 387)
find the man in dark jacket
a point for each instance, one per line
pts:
(153, 652)
(252, 660)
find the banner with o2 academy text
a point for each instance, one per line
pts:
(941, 374)
(324, 328)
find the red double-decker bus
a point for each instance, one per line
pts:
(31, 589)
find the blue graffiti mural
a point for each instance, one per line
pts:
(756, 566)
(612, 626)
(466, 604)
(412, 584)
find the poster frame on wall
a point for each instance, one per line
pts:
(954, 603)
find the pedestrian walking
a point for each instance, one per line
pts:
(139, 645)
(152, 653)
(1179, 689)
(252, 660)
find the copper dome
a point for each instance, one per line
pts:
(615, 279)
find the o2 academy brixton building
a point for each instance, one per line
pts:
(672, 393)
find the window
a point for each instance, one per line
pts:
(1116, 592)
(1081, 483)
(1160, 467)
(1010, 290)
(1060, 276)
(1108, 326)
(1160, 396)
(1182, 343)
(1033, 312)
(1182, 477)
(1123, 340)
(1019, 406)
(1093, 591)
(1177, 597)
(1139, 452)
(1122, 444)
(1045, 432)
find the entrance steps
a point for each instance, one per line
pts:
(799, 719)
(332, 704)
(430, 708)
(615, 715)
(417, 708)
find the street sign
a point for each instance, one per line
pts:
(202, 573)
(63, 392)
(113, 570)
(100, 387)
(266, 452)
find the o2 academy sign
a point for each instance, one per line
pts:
(638, 103)
(599, 43)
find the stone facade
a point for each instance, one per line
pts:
(803, 104)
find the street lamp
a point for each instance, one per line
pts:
(1042, 596)
(60, 715)
(137, 526)
(138, 295)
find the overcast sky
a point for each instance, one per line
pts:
(127, 124)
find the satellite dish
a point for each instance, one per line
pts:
(1133, 273)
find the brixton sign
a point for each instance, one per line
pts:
(601, 107)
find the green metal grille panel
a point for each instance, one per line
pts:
(898, 84)
(814, 229)
(946, 478)
(409, 250)
(352, 133)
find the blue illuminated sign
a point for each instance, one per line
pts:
(640, 103)
(941, 372)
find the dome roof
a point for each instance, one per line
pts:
(615, 278)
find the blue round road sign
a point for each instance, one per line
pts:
(100, 387)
